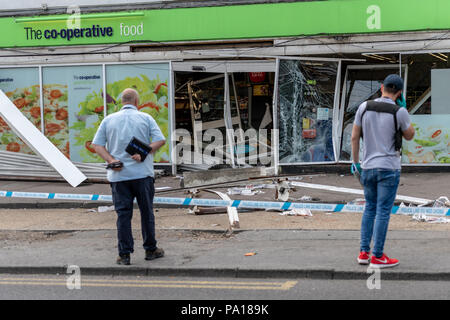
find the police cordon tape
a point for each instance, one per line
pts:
(244, 204)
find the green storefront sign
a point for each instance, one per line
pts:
(229, 22)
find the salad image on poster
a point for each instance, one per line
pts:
(64, 91)
(56, 116)
(151, 82)
(21, 86)
(86, 110)
(87, 119)
(431, 143)
(306, 95)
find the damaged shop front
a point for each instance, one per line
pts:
(228, 90)
(224, 113)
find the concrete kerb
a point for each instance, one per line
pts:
(319, 274)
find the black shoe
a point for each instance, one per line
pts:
(151, 255)
(124, 259)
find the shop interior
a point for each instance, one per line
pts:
(212, 102)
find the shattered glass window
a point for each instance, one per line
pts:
(306, 99)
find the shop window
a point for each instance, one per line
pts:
(251, 104)
(207, 105)
(152, 83)
(362, 83)
(428, 97)
(201, 114)
(73, 109)
(306, 100)
(21, 85)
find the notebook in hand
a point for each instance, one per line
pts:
(139, 147)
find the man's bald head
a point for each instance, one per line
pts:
(130, 96)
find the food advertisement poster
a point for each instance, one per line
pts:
(73, 109)
(431, 143)
(21, 85)
(151, 82)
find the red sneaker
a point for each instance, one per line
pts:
(363, 257)
(383, 262)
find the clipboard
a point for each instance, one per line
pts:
(139, 147)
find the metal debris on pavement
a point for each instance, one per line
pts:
(422, 217)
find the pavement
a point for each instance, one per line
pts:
(315, 254)
(288, 253)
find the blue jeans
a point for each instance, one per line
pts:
(380, 189)
(124, 193)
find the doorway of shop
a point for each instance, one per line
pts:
(223, 114)
(361, 83)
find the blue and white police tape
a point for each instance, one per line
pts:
(244, 204)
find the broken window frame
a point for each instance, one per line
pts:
(342, 105)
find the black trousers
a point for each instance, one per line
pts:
(123, 194)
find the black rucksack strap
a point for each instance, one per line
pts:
(385, 108)
(382, 107)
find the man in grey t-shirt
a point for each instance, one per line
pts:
(380, 174)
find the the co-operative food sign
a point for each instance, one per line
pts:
(286, 19)
(94, 31)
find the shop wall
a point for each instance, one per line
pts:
(152, 83)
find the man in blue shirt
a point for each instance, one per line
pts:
(136, 178)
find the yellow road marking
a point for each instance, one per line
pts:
(149, 281)
(232, 285)
(288, 285)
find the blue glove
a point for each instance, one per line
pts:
(356, 169)
(401, 102)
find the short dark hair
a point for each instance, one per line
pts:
(393, 84)
(391, 90)
(128, 95)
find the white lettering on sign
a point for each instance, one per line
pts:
(374, 19)
(131, 30)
